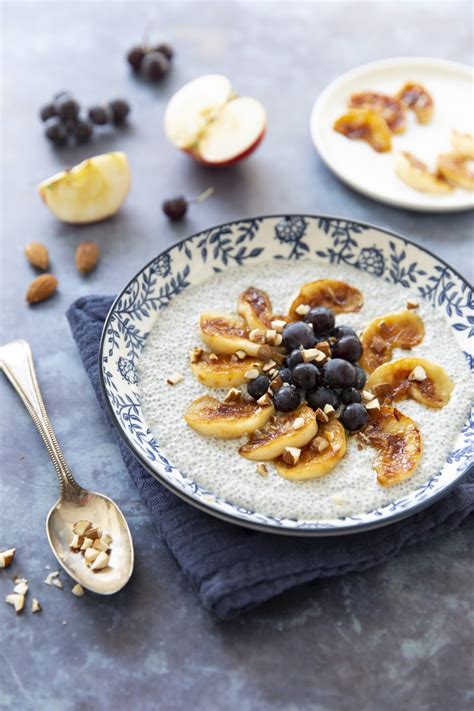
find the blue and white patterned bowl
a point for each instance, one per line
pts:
(321, 239)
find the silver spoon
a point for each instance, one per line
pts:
(74, 503)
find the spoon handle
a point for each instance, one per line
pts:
(16, 361)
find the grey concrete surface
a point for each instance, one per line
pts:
(397, 637)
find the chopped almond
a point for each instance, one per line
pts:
(262, 469)
(233, 395)
(174, 379)
(418, 373)
(302, 309)
(35, 605)
(6, 557)
(101, 561)
(321, 416)
(291, 456)
(80, 527)
(78, 590)
(17, 600)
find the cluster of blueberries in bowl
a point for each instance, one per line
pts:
(336, 381)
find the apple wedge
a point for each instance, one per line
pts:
(206, 119)
(91, 191)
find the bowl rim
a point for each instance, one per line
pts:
(229, 518)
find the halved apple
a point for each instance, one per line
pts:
(91, 191)
(209, 121)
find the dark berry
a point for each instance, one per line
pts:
(286, 398)
(47, 112)
(306, 376)
(321, 318)
(175, 208)
(340, 331)
(82, 132)
(354, 417)
(339, 373)
(321, 397)
(298, 334)
(55, 131)
(66, 107)
(348, 348)
(349, 395)
(135, 58)
(361, 377)
(99, 115)
(294, 358)
(154, 66)
(165, 49)
(258, 386)
(285, 375)
(120, 110)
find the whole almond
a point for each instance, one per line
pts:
(87, 256)
(41, 288)
(37, 255)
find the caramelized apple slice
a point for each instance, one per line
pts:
(457, 170)
(335, 295)
(398, 439)
(226, 420)
(391, 109)
(418, 99)
(218, 370)
(398, 330)
(411, 378)
(292, 430)
(318, 457)
(227, 334)
(366, 125)
(417, 175)
(255, 307)
(463, 144)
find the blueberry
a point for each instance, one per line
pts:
(286, 398)
(258, 386)
(306, 376)
(321, 397)
(348, 347)
(285, 375)
(298, 334)
(321, 318)
(294, 358)
(340, 331)
(349, 395)
(339, 373)
(354, 417)
(361, 377)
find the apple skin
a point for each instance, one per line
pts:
(232, 161)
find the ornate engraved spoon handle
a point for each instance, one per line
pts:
(16, 361)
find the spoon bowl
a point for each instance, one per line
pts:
(75, 503)
(106, 515)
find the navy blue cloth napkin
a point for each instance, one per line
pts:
(233, 568)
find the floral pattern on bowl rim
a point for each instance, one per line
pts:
(322, 239)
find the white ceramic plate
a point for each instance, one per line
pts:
(371, 173)
(324, 240)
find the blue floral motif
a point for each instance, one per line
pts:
(371, 260)
(161, 265)
(342, 233)
(127, 370)
(291, 231)
(336, 241)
